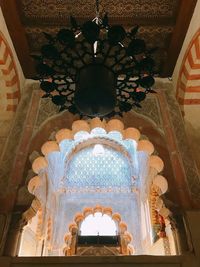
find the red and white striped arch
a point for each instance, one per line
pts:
(9, 78)
(188, 86)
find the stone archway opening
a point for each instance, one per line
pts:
(74, 173)
(98, 224)
(97, 231)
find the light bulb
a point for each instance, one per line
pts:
(98, 150)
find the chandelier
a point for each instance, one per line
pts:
(95, 69)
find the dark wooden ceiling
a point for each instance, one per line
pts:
(163, 23)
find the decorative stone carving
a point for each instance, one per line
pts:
(36, 9)
(46, 110)
(151, 110)
(157, 19)
(190, 168)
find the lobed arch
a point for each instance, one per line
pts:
(147, 128)
(81, 126)
(129, 119)
(87, 126)
(73, 228)
(52, 125)
(155, 163)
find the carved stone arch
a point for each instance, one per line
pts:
(126, 248)
(80, 125)
(9, 78)
(129, 119)
(82, 128)
(187, 85)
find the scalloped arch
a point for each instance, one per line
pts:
(116, 127)
(126, 247)
(113, 125)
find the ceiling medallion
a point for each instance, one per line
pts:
(95, 69)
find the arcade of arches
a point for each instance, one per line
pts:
(139, 174)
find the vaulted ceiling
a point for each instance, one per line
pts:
(163, 24)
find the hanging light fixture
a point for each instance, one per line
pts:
(95, 69)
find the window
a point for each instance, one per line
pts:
(98, 224)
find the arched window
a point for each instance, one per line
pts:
(98, 224)
(99, 227)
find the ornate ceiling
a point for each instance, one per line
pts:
(37, 9)
(158, 20)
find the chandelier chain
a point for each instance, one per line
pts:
(97, 8)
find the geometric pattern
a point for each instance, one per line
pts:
(109, 169)
(188, 86)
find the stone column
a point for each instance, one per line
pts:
(193, 222)
(14, 234)
(179, 233)
(4, 225)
